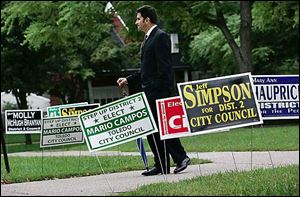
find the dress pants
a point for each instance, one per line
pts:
(173, 146)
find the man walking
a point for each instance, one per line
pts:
(155, 78)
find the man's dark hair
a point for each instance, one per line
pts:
(148, 11)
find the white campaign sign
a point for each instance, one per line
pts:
(60, 131)
(118, 122)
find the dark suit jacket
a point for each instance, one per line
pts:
(156, 70)
(155, 78)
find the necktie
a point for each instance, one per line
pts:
(145, 38)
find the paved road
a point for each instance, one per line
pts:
(108, 184)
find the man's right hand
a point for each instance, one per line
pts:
(122, 82)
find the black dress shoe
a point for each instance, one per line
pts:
(153, 171)
(183, 165)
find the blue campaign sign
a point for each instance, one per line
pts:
(277, 95)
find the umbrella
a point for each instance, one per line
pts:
(139, 141)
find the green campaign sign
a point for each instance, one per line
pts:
(118, 122)
(55, 111)
(76, 110)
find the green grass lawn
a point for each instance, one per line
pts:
(281, 181)
(241, 139)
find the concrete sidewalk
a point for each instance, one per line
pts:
(109, 184)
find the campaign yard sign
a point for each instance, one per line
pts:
(66, 131)
(23, 121)
(72, 109)
(55, 111)
(171, 118)
(60, 131)
(117, 122)
(77, 110)
(277, 96)
(220, 103)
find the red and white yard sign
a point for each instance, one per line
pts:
(171, 119)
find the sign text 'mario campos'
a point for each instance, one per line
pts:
(61, 130)
(117, 122)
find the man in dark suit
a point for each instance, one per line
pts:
(155, 78)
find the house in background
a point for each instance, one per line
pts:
(104, 89)
(34, 101)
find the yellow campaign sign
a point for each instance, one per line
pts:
(76, 110)
(220, 103)
(54, 111)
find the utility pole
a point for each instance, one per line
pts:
(4, 147)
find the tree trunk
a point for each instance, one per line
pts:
(245, 35)
(77, 93)
(22, 104)
(242, 54)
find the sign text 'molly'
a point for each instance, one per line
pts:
(23, 121)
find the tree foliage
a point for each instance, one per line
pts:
(276, 37)
(65, 43)
(274, 34)
(70, 31)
